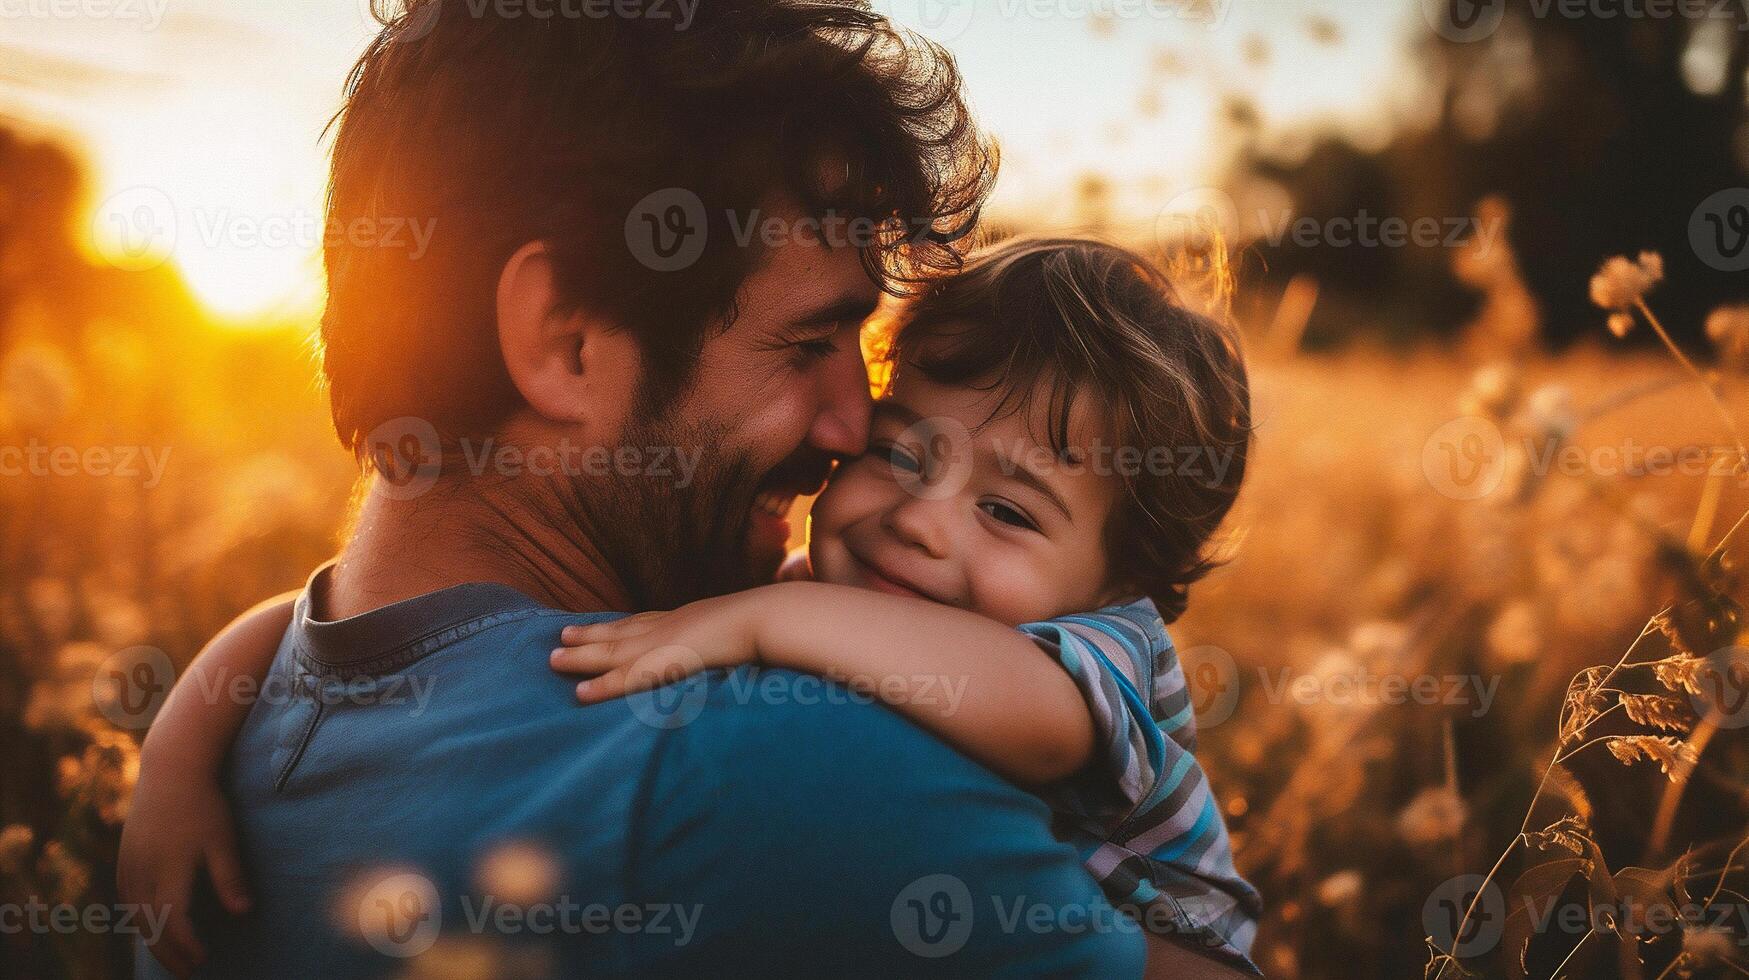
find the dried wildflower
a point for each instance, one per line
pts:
(65, 875)
(1680, 673)
(1491, 391)
(1573, 792)
(1441, 964)
(56, 706)
(1708, 945)
(381, 901)
(102, 778)
(519, 873)
(1569, 832)
(1341, 888)
(1665, 626)
(1377, 639)
(1515, 636)
(475, 958)
(1658, 711)
(15, 844)
(1728, 328)
(1584, 702)
(1433, 816)
(1620, 323)
(1620, 284)
(69, 775)
(1549, 412)
(1666, 751)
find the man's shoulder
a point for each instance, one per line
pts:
(823, 816)
(787, 749)
(753, 713)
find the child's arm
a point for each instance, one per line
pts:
(982, 686)
(179, 821)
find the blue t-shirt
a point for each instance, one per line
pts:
(415, 781)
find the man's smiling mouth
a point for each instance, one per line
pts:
(775, 503)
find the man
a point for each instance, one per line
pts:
(631, 344)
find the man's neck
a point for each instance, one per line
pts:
(399, 549)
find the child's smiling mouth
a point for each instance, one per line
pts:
(881, 581)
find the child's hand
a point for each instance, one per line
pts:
(657, 648)
(175, 829)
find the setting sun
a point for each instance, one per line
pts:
(234, 201)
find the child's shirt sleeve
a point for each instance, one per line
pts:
(1159, 845)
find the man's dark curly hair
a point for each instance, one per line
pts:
(496, 128)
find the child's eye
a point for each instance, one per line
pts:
(1007, 515)
(895, 456)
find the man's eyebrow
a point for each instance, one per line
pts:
(844, 309)
(1020, 472)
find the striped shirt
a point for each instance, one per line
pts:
(1150, 828)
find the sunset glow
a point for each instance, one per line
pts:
(187, 167)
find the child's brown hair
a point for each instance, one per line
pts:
(1094, 319)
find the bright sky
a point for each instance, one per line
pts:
(202, 118)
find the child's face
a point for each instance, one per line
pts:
(981, 516)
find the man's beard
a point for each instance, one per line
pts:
(673, 544)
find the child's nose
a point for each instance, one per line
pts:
(921, 523)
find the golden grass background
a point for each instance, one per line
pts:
(1346, 557)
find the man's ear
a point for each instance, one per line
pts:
(568, 366)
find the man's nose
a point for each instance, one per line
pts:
(841, 425)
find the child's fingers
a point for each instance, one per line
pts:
(604, 688)
(226, 872)
(592, 658)
(614, 630)
(661, 666)
(176, 947)
(646, 672)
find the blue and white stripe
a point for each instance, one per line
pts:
(1163, 848)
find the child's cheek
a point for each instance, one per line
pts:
(835, 510)
(1011, 589)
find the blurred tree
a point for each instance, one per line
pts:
(1603, 134)
(39, 188)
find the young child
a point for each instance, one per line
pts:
(1057, 442)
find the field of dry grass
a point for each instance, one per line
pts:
(1357, 558)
